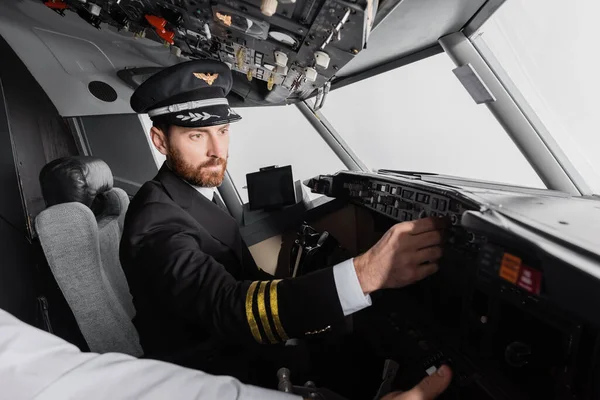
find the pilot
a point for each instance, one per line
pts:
(37, 364)
(201, 301)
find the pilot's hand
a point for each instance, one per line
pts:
(428, 389)
(407, 252)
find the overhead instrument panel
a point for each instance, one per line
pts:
(291, 47)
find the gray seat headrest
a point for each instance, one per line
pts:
(75, 179)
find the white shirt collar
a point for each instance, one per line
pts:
(207, 192)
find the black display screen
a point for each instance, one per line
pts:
(271, 188)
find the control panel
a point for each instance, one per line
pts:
(286, 49)
(487, 312)
(402, 202)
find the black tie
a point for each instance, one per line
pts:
(218, 201)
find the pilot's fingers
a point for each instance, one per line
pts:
(424, 271)
(430, 254)
(427, 239)
(430, 387)
(393, 396)
(425, 225)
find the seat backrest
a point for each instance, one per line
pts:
(80, 233)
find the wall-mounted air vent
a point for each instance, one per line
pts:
(102, 91)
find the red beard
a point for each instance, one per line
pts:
(199, 175)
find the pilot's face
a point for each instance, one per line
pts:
(198, 155)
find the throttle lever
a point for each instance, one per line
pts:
(308, 391)
(285, 384)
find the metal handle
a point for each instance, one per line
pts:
(285, 384)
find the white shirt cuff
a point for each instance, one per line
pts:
(348, 288)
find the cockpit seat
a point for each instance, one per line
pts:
(80, 231)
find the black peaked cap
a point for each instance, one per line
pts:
(190, 94)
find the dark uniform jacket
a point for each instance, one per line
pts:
(200, 299)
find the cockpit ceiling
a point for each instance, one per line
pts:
(414, 25)
(67, 53)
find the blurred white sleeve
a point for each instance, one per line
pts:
(36, 364)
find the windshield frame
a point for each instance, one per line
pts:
(509, 108)
(477, 39)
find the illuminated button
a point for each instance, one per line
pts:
(383, 188)
(394, 190)
(530, 280)
(510, 267)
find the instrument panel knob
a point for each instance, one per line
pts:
(268, 7)
(517, 354)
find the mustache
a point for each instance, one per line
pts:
(213, 162)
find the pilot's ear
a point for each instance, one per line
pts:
(159, 139)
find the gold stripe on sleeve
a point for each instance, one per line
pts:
(275, 311)
(262, 311)
(250, 313)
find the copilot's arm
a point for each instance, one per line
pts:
(37, 365)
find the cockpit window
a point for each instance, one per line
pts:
(118, 139)
(549, 52)
(277, 136)
(420, 118)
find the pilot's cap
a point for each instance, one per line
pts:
(190, 94)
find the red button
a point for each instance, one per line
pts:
(56, 4)
(166, 35)
(157, 22)
(530, 279)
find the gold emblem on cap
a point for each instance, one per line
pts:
(208, 78)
